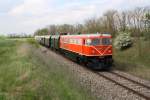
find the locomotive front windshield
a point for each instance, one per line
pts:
(106, 41)
(98, 41)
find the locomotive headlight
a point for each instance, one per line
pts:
(109, 51)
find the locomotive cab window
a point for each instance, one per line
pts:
(94, 42)
(106, 41)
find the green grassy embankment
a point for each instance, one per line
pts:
(130, 61)
(25, 74)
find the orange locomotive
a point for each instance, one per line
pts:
(94, 50)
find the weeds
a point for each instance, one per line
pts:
(130, 61)
(27, 74)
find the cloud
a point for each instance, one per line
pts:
(44, 12)
(31, 7)
(29, 15)
(61, 16)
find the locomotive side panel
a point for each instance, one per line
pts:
(71, 44)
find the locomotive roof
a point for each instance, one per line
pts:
(46, 36)
(87, 35)
(80, 35)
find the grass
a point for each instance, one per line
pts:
(33, 42)
(130, 61)
(27, 74)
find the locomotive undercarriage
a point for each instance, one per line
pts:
(99, 63)
(94, 62)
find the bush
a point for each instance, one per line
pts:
(123, 41)
(146, 36)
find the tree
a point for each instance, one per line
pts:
(147, 26)
(135, 21)
(52, 29)
(43, 31)
(65, 28)
(109, 15)
(90, 25)
(147, 21)
(79, 28)
(121, 21)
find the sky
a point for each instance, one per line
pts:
(26, 16)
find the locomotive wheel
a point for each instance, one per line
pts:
(78, 60)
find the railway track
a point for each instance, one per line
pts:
(137, 88)
(125, 77)
(133, 86)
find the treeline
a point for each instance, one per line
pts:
(135, 21)
(22, 35)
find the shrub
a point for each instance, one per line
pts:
(146, 36)
(123, 41)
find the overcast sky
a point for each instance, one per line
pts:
(17, 16)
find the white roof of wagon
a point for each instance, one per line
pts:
(88, 35)
(43, 36)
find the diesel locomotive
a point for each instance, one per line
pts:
(92, 50)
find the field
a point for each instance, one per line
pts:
(26, 74)
(130, 61)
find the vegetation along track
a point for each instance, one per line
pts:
(137, 88)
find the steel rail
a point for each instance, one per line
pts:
(135, 92)
(146, 86)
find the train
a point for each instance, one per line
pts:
(92, 50)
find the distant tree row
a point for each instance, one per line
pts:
(23, 35)
(135, 21)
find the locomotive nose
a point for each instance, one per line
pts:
(101, 50)
(108, 50)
